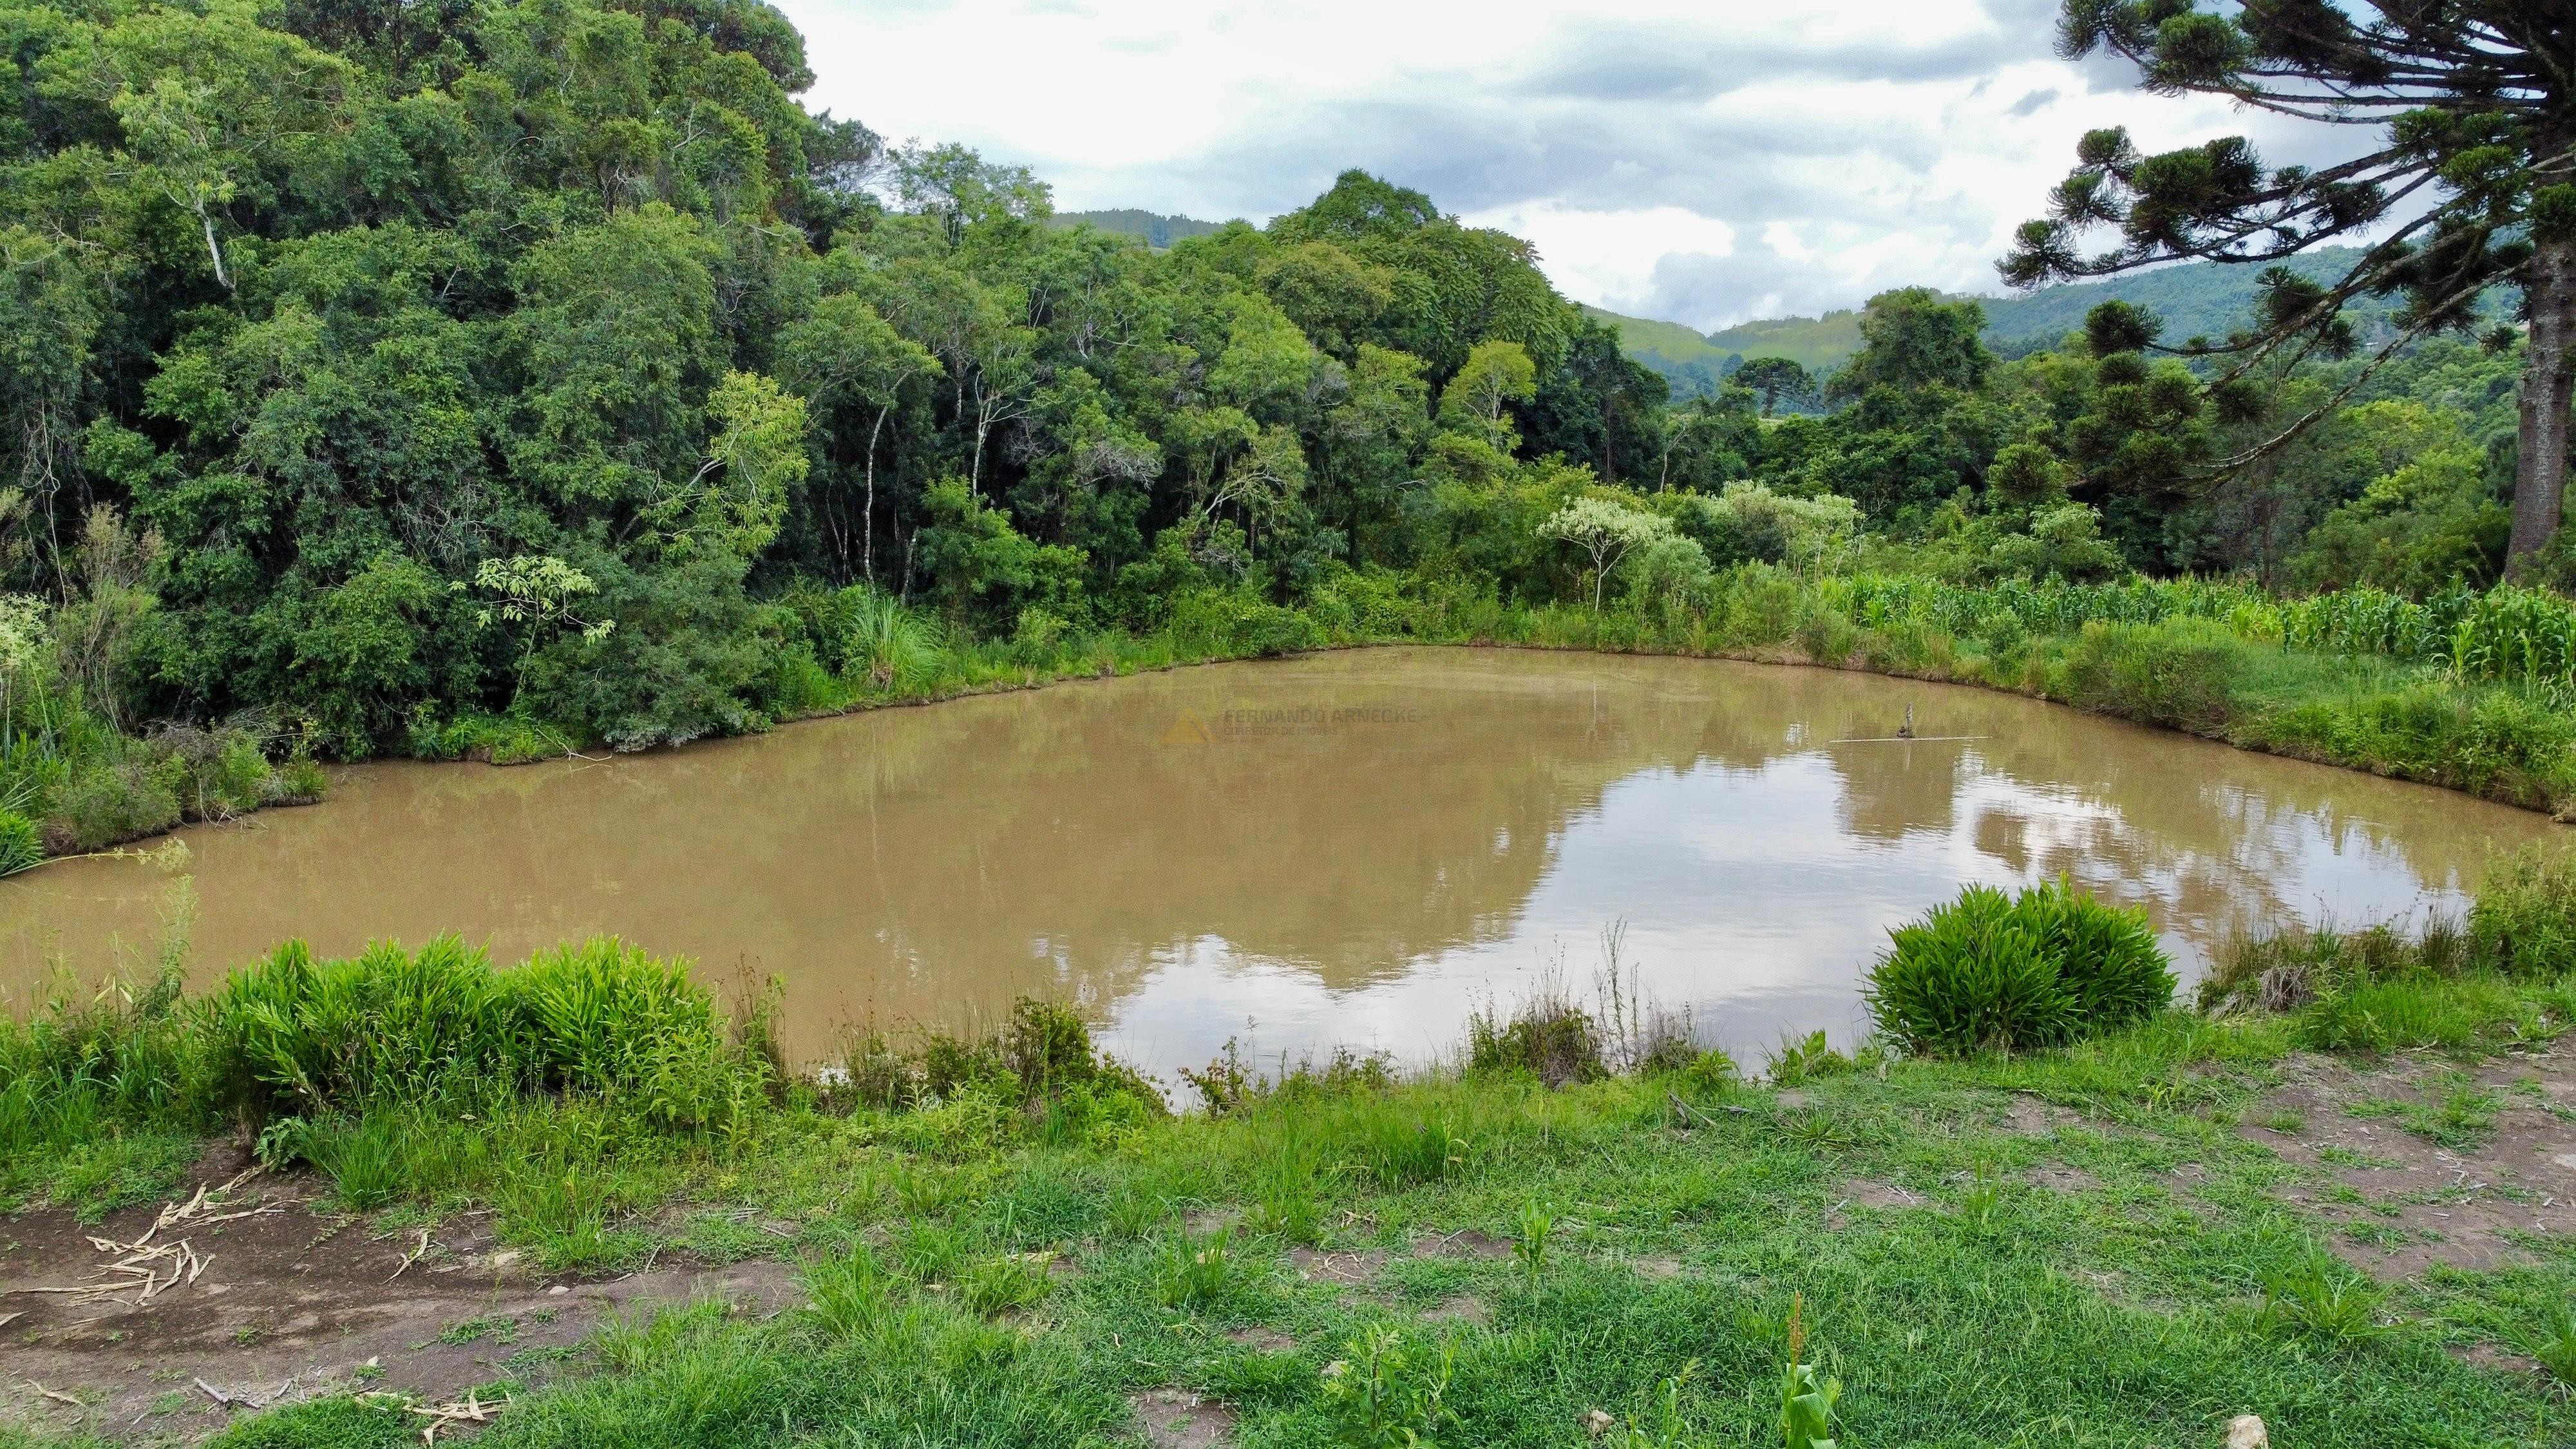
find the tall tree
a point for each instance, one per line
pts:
(2471, 171)
(1773, 378)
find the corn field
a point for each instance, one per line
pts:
(1876, 601)
(2505, 635)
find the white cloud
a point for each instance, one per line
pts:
(1701, 163)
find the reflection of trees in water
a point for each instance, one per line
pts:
(938, 861)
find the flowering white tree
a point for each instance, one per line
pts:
(1605, 531)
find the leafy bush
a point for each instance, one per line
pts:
(2179, 675)
(1390, 1390)
(21, 847)
(103, 807)
(2042, 969)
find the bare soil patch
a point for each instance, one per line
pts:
(1319, 1266)
(288, 1301)
(2057, 1177)
(2420, 1161)
(1266, 1340)
(2031, 1116)
(1179, 1419)
(1861, 1192)
(1462, 1308)
(1465, 1243)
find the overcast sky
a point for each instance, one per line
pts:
(1705, 162)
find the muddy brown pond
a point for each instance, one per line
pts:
(1354, 848)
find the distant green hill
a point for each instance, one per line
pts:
(2194, 299)
(1152, 228)
(2198, 299)
(1669, 348)
(1813, 343)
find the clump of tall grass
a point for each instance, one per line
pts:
(1229, 1083)
(79, 1067)
(2286, 970)
(297, 1036)
(2045, 968)
(1041, 1056)
(869, 635)
(1545, 1035)
(2524, 921)
(2444, 984)
(1553, 1036)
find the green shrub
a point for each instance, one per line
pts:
(1389, 1390)
(300, 781)
(108, 806)
(2107, 959)
(2179, 674)
(2042, 969)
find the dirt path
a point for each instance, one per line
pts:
(272, 1300)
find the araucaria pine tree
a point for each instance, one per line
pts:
(2468, 182)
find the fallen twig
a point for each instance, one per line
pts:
(413, 1256)
(56, 1394)
(216, 1394)
(471, 1411)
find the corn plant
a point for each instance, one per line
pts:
(1529, 1245)
(1806, 1396)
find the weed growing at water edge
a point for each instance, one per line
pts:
(1804, 1059)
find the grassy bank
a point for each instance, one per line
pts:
(2353, 680)
(1007, 1238)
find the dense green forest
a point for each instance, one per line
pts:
(541, 373)
(1152, 228)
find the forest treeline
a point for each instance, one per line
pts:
(407, 378)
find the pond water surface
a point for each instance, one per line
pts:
(1346, 849)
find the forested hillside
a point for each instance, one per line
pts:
(2192, 299)
(541, 372)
